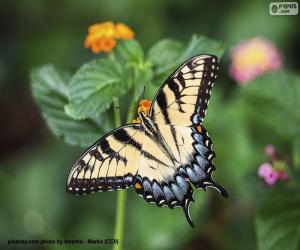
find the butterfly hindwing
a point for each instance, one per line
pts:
(170, 184)
(183, 98)
(110, 164)
(158, 180)
(200, 167)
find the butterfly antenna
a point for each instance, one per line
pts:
(144, 91)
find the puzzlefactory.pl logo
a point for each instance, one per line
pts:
(283, 8)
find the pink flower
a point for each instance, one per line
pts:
(268, 173)
(254, 57)
(282, 175)
(269, 150)
(264, 170)
(275, 170)
(271, 177)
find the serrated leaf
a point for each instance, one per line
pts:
(93, 87)
(274, 99)
(167, 55)
(278, 220)
(49, 88)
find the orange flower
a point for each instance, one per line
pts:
(103, 36)
(123, 31)
(107, 44)
(144, 106)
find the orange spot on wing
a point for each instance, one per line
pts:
(199, 129)
(137, 185)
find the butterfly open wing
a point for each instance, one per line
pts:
(183, 98)
(110, 164)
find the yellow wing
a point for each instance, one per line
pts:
(183, 98)
(110, 164)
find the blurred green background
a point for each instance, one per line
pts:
(34, 165)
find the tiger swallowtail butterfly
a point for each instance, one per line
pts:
(167, 153)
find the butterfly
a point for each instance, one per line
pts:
(165, 154)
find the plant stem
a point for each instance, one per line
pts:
(120, 219)
(121, 199)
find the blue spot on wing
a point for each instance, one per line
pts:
(198, 137)
(157, 191)
(196, 119)
(201, 149)
(199, 171)
(202, 162)
(168, 193)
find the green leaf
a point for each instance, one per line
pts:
(167, 55)
(93, 87)
(49, 88)
(274, 99)
(130, 52)
(278, 220)
(138, 72)
(163, 54)
(142, 77)
(202, 45)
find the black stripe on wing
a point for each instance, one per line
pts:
(161, 101)
(122, 136)
(207, 82)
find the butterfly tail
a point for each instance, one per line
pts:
(216, 186)
(186, 211)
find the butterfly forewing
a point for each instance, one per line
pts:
(183, 98)
(110, 164)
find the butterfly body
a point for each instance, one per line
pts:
(151, 129)
(165, 154)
